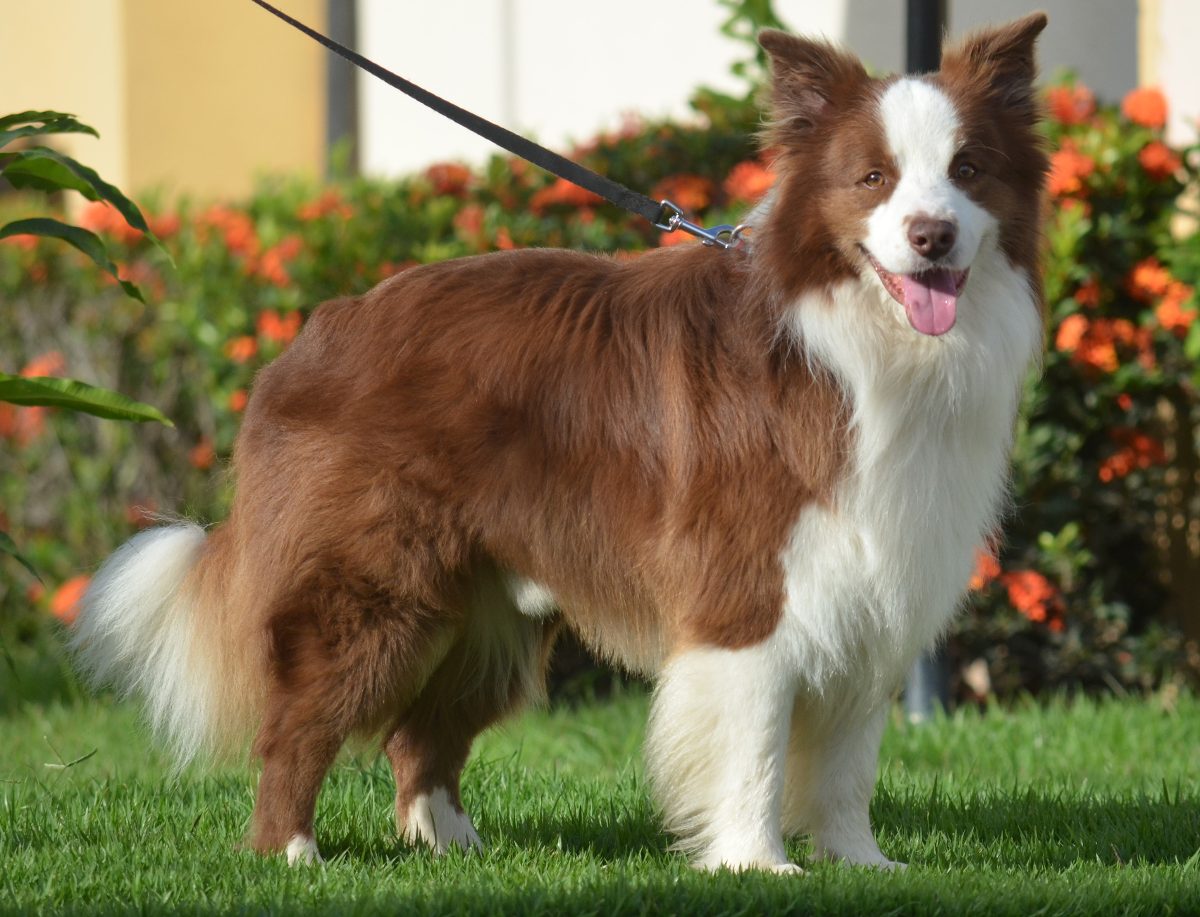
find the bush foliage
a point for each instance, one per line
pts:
(1089, 586)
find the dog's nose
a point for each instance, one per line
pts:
(931, 238)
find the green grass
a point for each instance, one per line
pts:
(1077, 808)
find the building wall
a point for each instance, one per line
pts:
(220, 92)
(202, 97)
(561, 77)
(195, 97)
(68, 55)
(1170, 30)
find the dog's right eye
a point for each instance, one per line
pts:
(874, 180)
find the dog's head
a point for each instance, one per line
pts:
(906, 182)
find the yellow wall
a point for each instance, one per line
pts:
(66, 55)
(220, 91)
(198, 98)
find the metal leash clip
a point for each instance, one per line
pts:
(670, 218)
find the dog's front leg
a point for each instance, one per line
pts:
(716, 747)
(831, 772)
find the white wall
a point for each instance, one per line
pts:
(560, 71)
(1174, 35)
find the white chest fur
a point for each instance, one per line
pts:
(874, 579)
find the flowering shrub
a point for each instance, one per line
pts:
(1089, 585)
(1096, 583)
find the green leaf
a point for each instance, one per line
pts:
(9, 547)
(87, 242)
(35, 123)
(22, 117)
(43, 173)
(1191, 345)
(72, 395)
(100, 190)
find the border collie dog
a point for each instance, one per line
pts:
(757, 476)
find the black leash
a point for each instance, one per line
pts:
(663, 214)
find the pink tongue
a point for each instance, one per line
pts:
(931, 301)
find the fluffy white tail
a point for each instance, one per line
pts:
(140, 629)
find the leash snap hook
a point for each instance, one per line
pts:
(671, 218)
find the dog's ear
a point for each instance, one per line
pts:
(807, 78)
(1001, 61)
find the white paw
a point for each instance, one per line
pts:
(767, 862)
(302, 850)
(788, 869)
(869, 859)
(435, 821)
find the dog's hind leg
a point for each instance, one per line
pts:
(716, 746)
(341, 662)
(497, 664)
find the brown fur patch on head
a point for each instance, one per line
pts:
(809, 80)
(989, 75)
(824, 132)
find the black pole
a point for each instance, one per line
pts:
(928, 684)
(341, 90)
(926, 23)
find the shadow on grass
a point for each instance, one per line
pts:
(35, 667)
(989, 829)
(609, 839)
(1039, 828)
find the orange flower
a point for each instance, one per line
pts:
(1071, 332)
(1124, 401)
(100, 217)
(1172, 312)
(237, 400)
(1146, 106)
(24, 241)
(748, 181)
(1136, 450)
(1088, 294)
(271, 266)
(692, 193)
(1093, 344)
(164, 225)
(449, 178)
(236, 227)
(1071, 105)
(563, 194)
(328, 203)
(504, 239)
(282, 329)
(1033, 595)
(1148, 280)
(202, 455)
(1068, 169)
(987, 568)
(241, 349)
(50, 363)
(64, 604)
(469, 220)
(1159, 160)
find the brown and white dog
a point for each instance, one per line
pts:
(757, 476)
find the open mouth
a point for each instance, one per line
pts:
(930, 298)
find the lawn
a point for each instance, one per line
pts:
(1066, 808)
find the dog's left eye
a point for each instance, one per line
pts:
(965, 171)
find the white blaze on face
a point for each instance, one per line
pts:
(923, 132)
